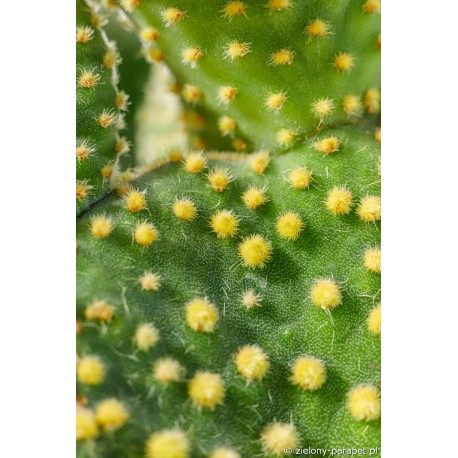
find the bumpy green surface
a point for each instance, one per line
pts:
(310, 77)
(133, 73)
(193, 262)
(90, 103)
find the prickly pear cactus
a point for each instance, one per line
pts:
(228, 305)
(99, 107)
(270, 70)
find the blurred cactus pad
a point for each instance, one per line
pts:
(228, 296)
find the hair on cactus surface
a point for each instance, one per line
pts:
(280, 55)
(228, 292)
(245, 307)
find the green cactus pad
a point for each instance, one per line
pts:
(309, 52)
(97, 108)
(262, 294)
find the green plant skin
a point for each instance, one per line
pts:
(193, 262)
(90, 103)
(310, 77)
(134, 72)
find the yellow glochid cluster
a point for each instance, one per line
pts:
(201, 315)
(206, 389)
(326, 294)
(252, 363)
(309, 373)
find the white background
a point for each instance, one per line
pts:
(37, 242)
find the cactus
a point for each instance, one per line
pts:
(279, 69)
(228, 303)
(133, 72)
(99, 106)
(187, 275)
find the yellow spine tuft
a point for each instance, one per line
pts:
(252, 363)
(363, 402)
(282, 57)
(145, 233)
(82, 190)
(84, 150)
(339, 200)
(122, 100)
(373, 260)
(236, 49)
(171, 16)
(101, 226)
(370, 209)
(255, 251)
(167, 370)
(107, 118)
(289, 225)
(149, 34)
(88, 79)
(344, 61)
(184, 209)
(352, 104)
(150, 281)
(326, 294)
(285, 137)
(300, 178)
(254, 197)
(135, 201)
(111, 58)
(191, 93)
(279, 5)
(86, 424)
(146, 336)
(322, 107)
(372, 101)
(374, 320)
(154, 55)
(99, 310)
(259, 162)
(90, 370)
(195, 162)
(226, 94)
(317, 28)
(122, 146)
(226, 125)
(201, 316)
(107, 171)
(84, 34)
(190, 56)
(309, 373)
(250, 299)
(111, 414)
(219, 179)
(327, 145)
(224, 224)
(206, 389)
(275, 101)
(276, 437)
(169, 443)
(233, 9)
